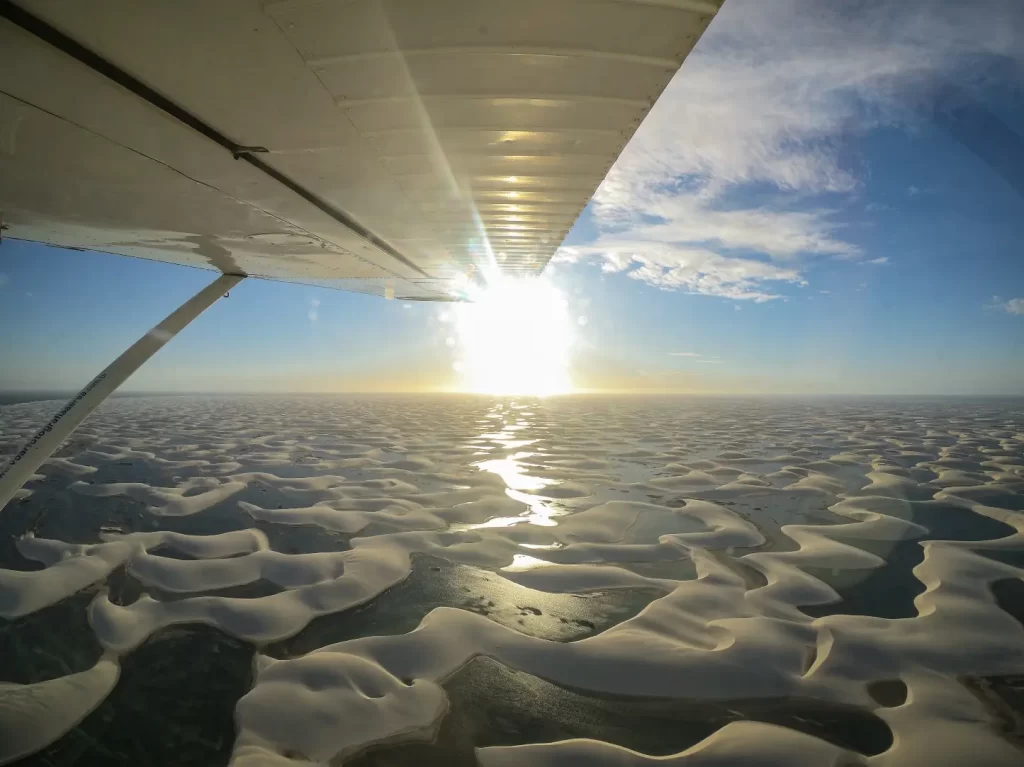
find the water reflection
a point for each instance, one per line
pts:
(522, 562)
(513, 468)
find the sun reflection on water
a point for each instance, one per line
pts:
(523, 562)
(513, 469)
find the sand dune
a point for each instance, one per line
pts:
(733, 521)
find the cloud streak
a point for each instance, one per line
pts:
(679, 267)
(697, 357)
(773, 97)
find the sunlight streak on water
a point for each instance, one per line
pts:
(519, 485)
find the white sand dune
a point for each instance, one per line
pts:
(758, 498)
(72, 567)
(942, 724)
(34, 715)
(738, 743)
(22, 593)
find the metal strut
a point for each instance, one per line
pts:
(46, 441)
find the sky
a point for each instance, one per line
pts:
(827, 199)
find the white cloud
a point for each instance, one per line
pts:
(770, 97)
(882, 261)
(313, 312)
(771, 85)
(689, 217)
(681, 267)
(1013, 306)
(683, 354)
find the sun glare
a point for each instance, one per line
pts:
(514, 337)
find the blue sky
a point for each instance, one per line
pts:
(822, 201)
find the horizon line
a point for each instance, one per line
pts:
(42, 393)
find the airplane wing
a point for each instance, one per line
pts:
(383, 146)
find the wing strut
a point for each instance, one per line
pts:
(46, 441)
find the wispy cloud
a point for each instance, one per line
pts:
(772, 96)
(694, 269)
(696, 357)
(314, 310)
(1013, 306)
(882, 261)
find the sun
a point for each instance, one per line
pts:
(515, 337)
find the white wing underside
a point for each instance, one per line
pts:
(406, 140)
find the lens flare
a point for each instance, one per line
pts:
(515, 337)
